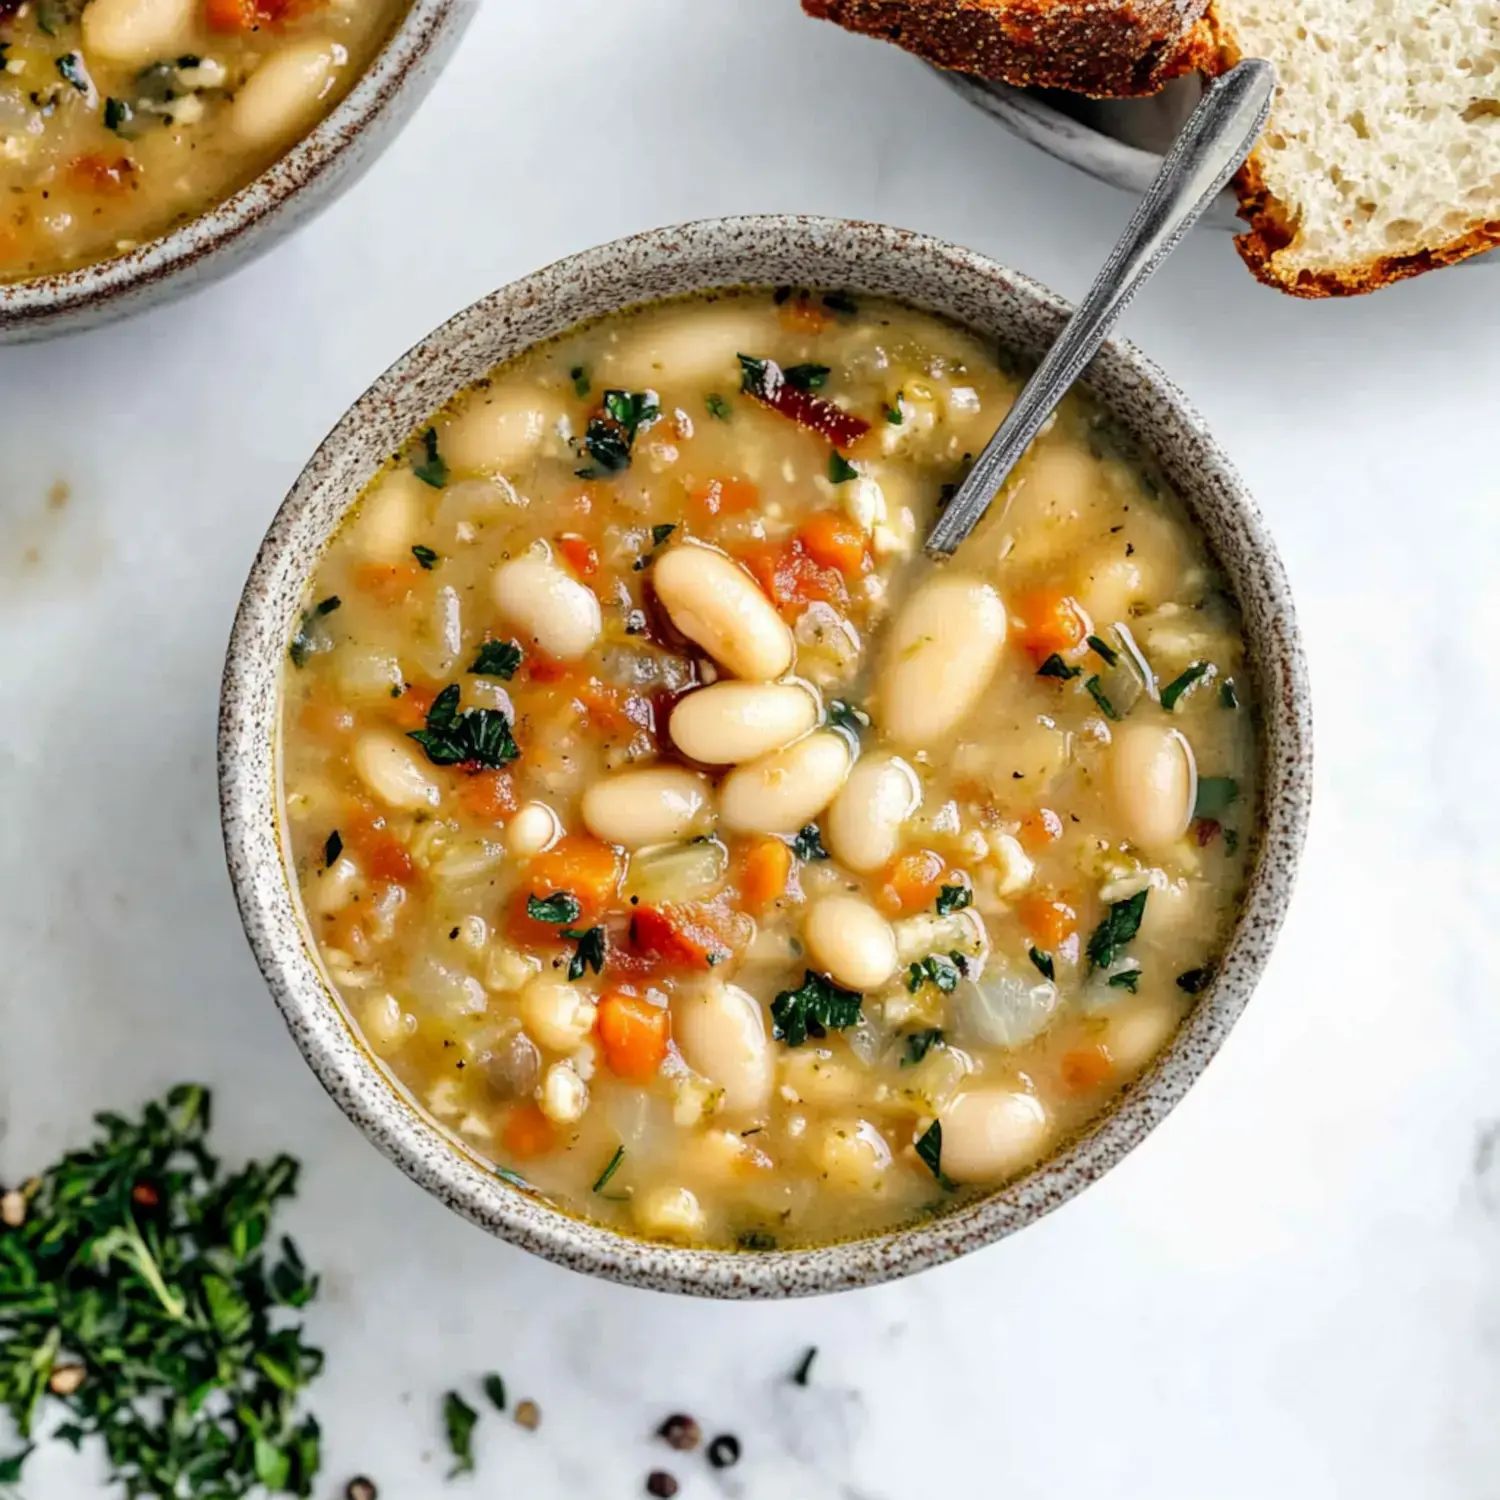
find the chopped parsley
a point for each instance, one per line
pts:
(477, 737)
(590, 951)
(1180, 684)
(72, 68)
(332, 849)
(118, 116)
(1121, 923)
(816, 1007)
(560, 909)
(942, 973)
(803, 1372)
(1215, 796)
(756, 1239)
(496, 659)
(1097, 693)
(952, 898)
(459, 1419)
(844, 715)
(1044, 965)
(307, 640)
(930, 1149)
(432, 470)
(808, 845)
(426, 556)
(1228, 697)
(612, 1166)
(610, 436)
(840, 470)
(1103, 649)
(920, 1043)
(1231, 841)
(660, 533)
(1195, 981)
(1126, 979)
(580, 378)
(893, 411)
(494, 1387)
(1056, 667)
(807, 377)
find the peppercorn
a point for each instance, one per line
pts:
(681, 1432)
(361, 1488)
(661, 1484)
(724, 1451)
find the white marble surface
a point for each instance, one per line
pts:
(1293, 1288)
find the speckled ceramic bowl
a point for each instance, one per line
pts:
(304, 180)
(999, 305)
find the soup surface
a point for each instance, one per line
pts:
(701, 855)
(121, 119)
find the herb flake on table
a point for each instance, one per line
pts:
(1121, 923)
(803, 1373)
(816, 1007)
(432, 470)
(459, 1419)
(494, 1386)
(477, 737)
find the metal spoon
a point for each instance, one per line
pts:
(1217, 137)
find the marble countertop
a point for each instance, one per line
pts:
(1292, 1288)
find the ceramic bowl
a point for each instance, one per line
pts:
(307, 178)
(997, 304)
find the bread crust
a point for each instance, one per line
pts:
(1103, 48)
(1272, 228)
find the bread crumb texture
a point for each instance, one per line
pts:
(1382, 158)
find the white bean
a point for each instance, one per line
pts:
(852, 1155)
(549, 607)
(134, 33)
(556, 1015)
(991, 1133)
(564, 1094)
(851, 941)
(669, 1213)
(942, 652)
(863, 826)
(721, 1031)
(497, 432)
(1137, 1034)
(388, 520)
(712, 600)
(732, 722)
(285, 94)
(655, 805)
(392, 768)
(783, 792)
(1153, 779)
(533, 829)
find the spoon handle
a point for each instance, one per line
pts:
(1216, 139)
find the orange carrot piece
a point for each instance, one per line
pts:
(579, 553)
(912, 881)
(583, 867)
(801, 314)
(834, 541)
(765, 868)
(1051, 621)
(1049, 922)
(634, 1034)
(725, 497)
(1086, 1069)
(1039, 828)
(489, 796)
(108, 177)
(528, 1132)
(387, 582)
(410, 710)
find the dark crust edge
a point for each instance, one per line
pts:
(1272, 227)
(1115, 49)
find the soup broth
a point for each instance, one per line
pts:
(705, 858)
(121, 119)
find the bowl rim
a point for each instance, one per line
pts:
(248, 755)
(60, 295)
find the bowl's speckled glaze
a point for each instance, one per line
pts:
(304, 180)
(998, 304)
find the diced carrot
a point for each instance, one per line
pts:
(410, 710)
(912, 881)
(323, 719)
(1086, 1069)
(834, 541)
(765, 868)
(1051, 621)
(792, 578)
(246, 15)
(382, 854)
(634, 1033)
(541, 668)
(725, 497)
(687, 935)
(489, 796)
(388, 582)
(583, 867)
(105, 175)
(528, 1132)
(800, 314)
(579, 553)
(1049, 922)
(1039, 828)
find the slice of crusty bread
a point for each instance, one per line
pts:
(1382, 158)
(1099, 47)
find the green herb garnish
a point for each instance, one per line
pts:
(496, 659)
(756, 1239)
(942, 973)
(1102, 648)
(426, 556)
(840, 470)
(1121, 923)
(718, 408)
(930, 1149)
(920, 1043)
(844, 715)
(1097, 693)
(611, 1167)
(589, 953)
(118, 116)
(1228, 697)
(610, 437)
(803, 1372)
(1126, 979)
(806, 377)
(808, 845)
(70, 66)
(145, 1273)
(494, 1387)
(432, 470)
(1056, 667)
(305, 642)
(815, 1008)
(1180, 684)
(952, 898)
(1044, 965)
(332, 848)
(660, 533)
(459, 1419)
(580, 378)
(1195, 981)
(1216, 794)
(561, 909)
(477, 737)
(893, 411)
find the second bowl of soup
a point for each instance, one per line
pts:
(674, 868)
